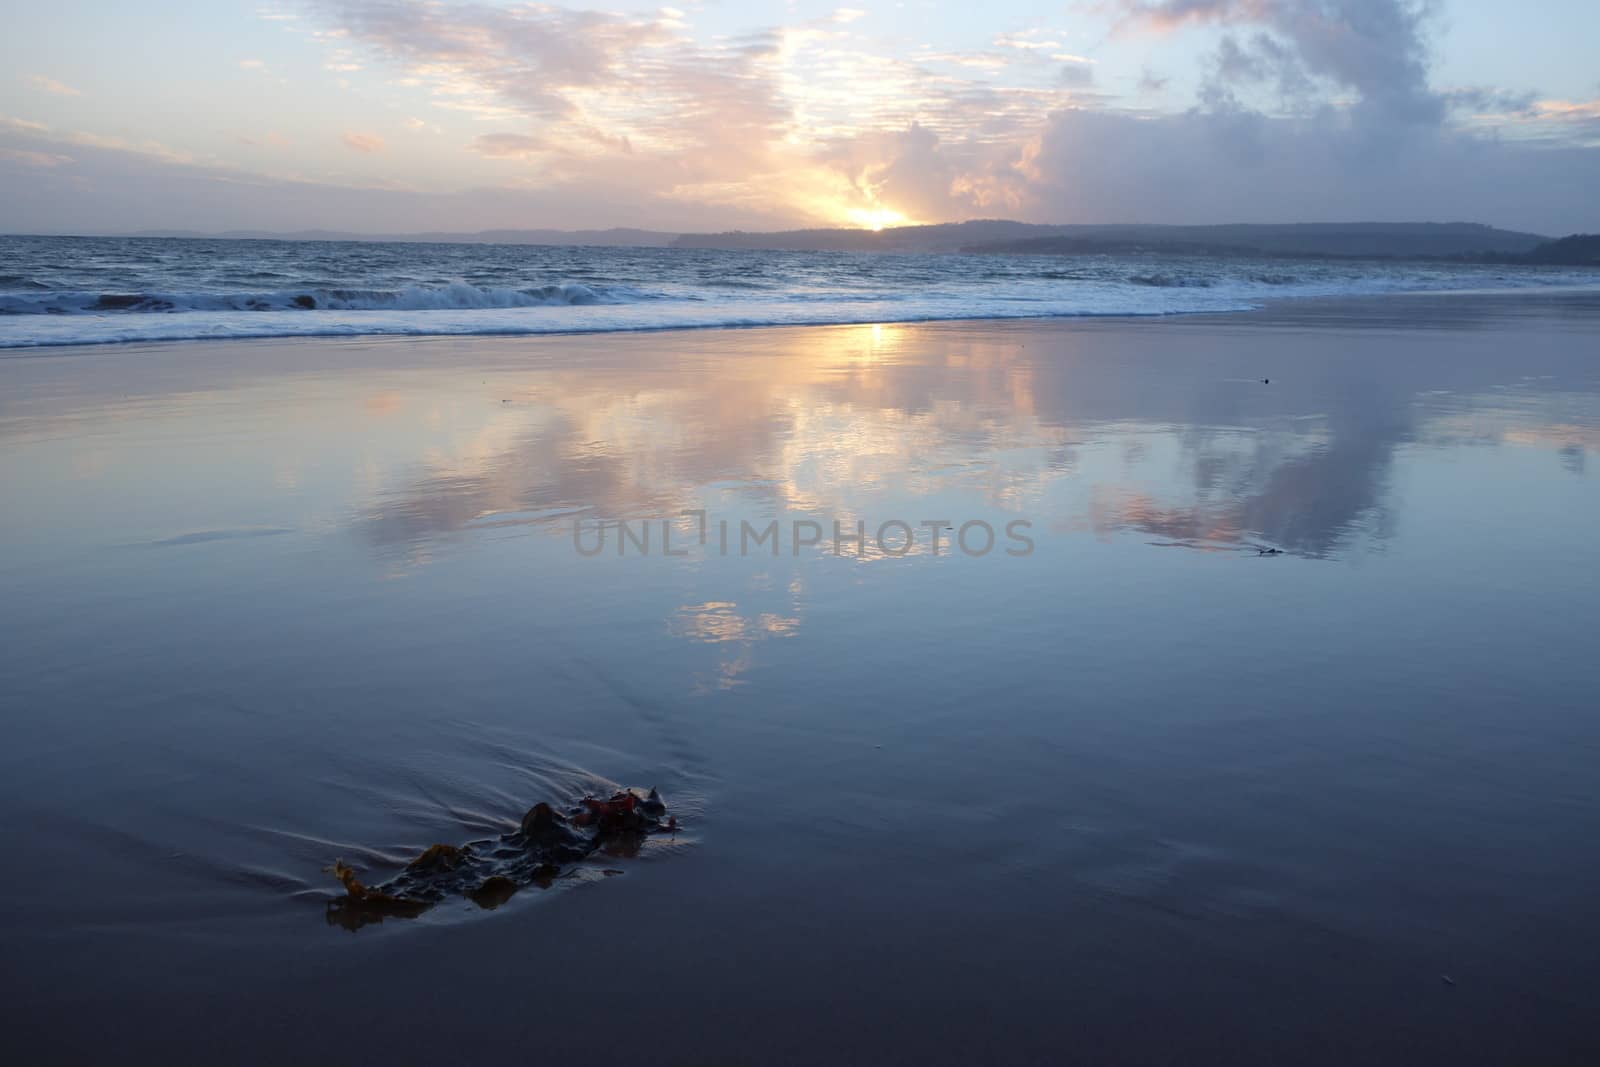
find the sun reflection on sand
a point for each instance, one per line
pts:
(807, 420)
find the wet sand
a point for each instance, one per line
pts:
(1141, 795)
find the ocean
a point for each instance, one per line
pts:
(83, 290)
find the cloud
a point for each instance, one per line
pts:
(783, 122)
(540, 59)
(1305, 109)
(252, 64)
(803, 124)
(1151, 82)
(122, 185)
(365, 143)
(1027, 41)
(1524, 116)
(341, 61)
(1583, 111)
(507, 146)
(272, 138)
(1240, 166)
(1377, 49)
(29, 158)
(1490, 100)
(154, 150)
(1076, 73)
(1310, 110)
(50, 85)
(917, 178)
(1564, 120)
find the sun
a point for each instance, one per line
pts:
(876, 218)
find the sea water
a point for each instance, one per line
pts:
(74, 290)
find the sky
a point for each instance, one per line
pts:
(384, 116)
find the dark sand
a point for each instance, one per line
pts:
(1142, 796)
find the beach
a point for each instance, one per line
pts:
(1275, 744)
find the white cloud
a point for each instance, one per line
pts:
(50, 85)
(599, 118)
(508, 146)
(365, 143)
(29, 158)
(1377, 49)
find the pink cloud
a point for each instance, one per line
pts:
(50, 85)
(30, 158)
(365, 143)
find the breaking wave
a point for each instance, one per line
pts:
(1170, 281)
(454, 296)
(75, 291)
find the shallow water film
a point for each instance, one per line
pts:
(1213, 689)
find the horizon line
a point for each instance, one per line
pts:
(401, 236)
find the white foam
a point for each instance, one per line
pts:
(107, 328)
(798, 291)
(456, 295)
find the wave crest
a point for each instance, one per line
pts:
(454, 296)
(1170, 281)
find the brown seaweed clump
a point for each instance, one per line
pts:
(491, 871)
(375, 902)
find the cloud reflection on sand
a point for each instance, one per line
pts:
(852, 420)
(814, 421)
(1158, 429)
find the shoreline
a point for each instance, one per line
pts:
(1267, 308)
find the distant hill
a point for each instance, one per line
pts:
(944, 237)
(1408, 239)
(1579, 250)
(1403, 240)
(1355, 239)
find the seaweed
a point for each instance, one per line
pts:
(375, 902)
(437, 858)
(490, 872)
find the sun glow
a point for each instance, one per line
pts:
(876, 218)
